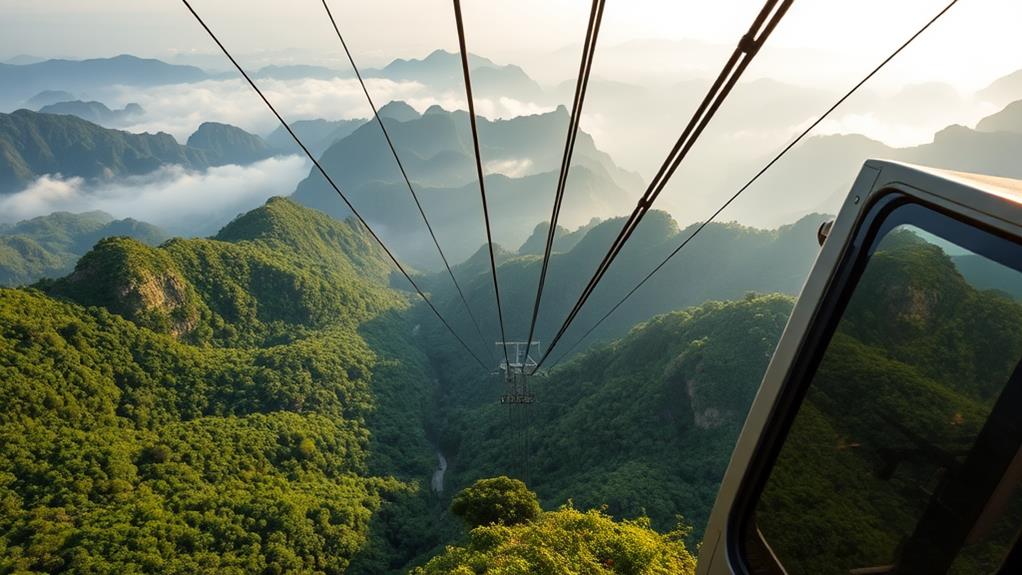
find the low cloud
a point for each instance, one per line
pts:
(179, 109)
(183, 202)
(899, 134)
(512, 168)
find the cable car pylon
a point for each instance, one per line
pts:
(517, 369)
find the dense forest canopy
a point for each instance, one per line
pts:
(267, 400)
(272, 400)
(219, 405)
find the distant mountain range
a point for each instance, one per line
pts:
(440, 71)
(1007, 120)
(95, 112)
(317, 135)
(48, 97)
(819, 172)
(725, 262)
(23, 81)
(49, 246)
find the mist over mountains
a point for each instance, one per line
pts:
(632, 122)
(435, 149)
(521, 151)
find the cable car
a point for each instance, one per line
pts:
(886, 434)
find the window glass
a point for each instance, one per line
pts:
(887, 466)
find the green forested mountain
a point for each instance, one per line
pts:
(553, 542)
(239, 404)
(226, 144)
(271, 400)
(266, 400)
(49, 246)
(644, 425)
(726, 261)
(34, 144)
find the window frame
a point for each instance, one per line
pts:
(887, 209)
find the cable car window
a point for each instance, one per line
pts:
(903, 456)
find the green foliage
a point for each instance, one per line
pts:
(134, 440)
(270, 276)
(262, 401)
(497, 500)
(644, 426)
(565, 542)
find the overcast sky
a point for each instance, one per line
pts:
(820, 41)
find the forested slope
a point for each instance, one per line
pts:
(224, 405)
(644, 425)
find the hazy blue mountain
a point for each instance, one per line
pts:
(838, 158)
(442, 70)
(21, 82)
(317, 135)
(49, 246)
(564, 239)
(47, 97)
(398, 110)
(1004, 89)
(34, 144)
(300, 71)
(1007, 120)
(439, 66)
(226, 144)
(95, 112)
(22, 59)
(726, 261)
(522, 156)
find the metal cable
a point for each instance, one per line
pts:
(479, 170)
(756, 177)
(319, 167)
(404, 174)
(582, 83)
(767, 19)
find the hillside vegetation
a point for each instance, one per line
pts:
(271, 400)
(243, 404)
(643, 426)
